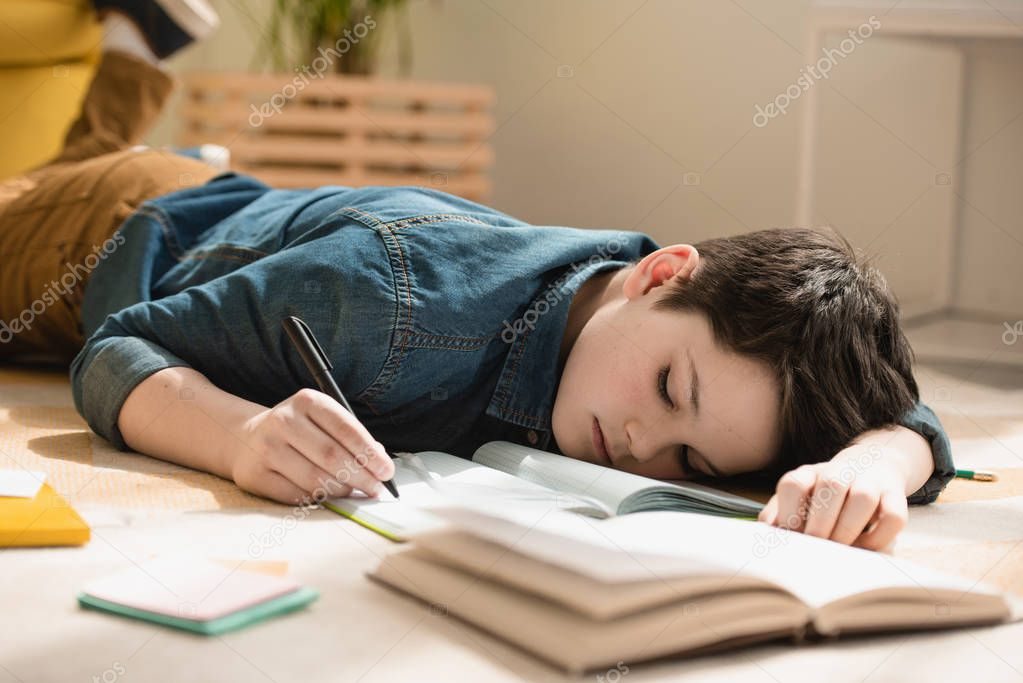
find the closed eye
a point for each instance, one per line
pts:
(662, 385)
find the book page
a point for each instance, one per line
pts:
(622, 492)
(579, 643)
(562, 473)
(663, 545)
(430, 478)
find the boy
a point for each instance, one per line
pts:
(450, 324)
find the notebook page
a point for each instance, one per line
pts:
(561, 473)
(430, 478)
(405, 516)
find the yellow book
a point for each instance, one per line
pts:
(47, 519)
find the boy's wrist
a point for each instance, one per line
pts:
(902, 452)
(178, 415)
(233, 416)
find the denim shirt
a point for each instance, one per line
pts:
(443, 318)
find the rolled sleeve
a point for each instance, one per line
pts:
(105, 373)
(229, 328)
(923, 421)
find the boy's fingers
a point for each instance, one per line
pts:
(860, 505)
(826, 504)
(315, 482)
(891, 519)
(793, 490)
(374, 458)
(308, 438)
(770, 511)
(346, 429)
(352, 475)
(278, 487)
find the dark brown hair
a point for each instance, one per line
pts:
(801, 301)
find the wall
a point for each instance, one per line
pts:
(650, 127)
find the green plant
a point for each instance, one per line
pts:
(308, 29)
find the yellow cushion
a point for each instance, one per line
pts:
(48, 52)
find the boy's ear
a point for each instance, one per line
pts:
(678, 261)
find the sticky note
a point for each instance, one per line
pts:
(21, 483)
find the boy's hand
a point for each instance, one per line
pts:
(852, 499)
(307, 448)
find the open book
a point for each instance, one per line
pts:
(518, 475)
(584, 593)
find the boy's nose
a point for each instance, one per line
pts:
(638, 442)
(645, 443)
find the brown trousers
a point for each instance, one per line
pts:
(56, 221)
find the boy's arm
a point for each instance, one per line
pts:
(228, 333)
(238, 437)
(860, 496)
(179, 400)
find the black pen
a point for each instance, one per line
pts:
(319, 365)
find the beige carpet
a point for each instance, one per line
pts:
(41, 430)
(975, 529)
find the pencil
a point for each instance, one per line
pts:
(976, 475)
(319, 365)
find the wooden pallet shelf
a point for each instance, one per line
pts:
(291, 131)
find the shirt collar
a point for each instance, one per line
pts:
(529, 378)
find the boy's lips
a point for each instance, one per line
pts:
(599, 444)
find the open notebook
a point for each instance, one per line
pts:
(520, 476)
(585, 593)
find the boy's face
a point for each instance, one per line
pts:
(612, 376)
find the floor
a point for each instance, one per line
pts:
(138, 507)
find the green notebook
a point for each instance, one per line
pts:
(195, 594)
(230, 622)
